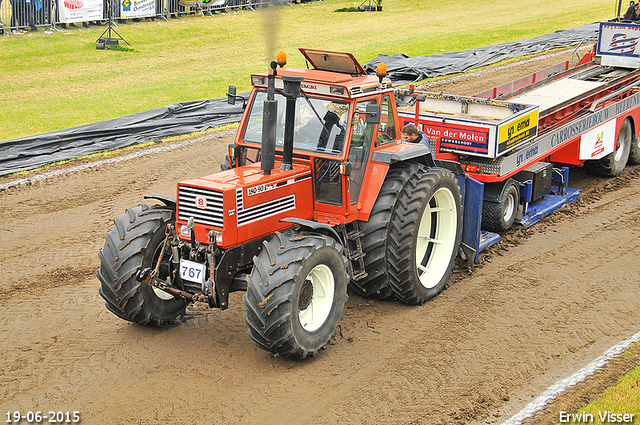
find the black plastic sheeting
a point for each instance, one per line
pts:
(402, 69)
(31, 152)
(27, 153)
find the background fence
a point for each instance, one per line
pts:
(18, 16)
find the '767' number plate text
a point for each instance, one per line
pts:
(192, 271)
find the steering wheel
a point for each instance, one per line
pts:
(384, 138)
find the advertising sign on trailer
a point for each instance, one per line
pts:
(459, 137)
(513, 133)
(599, 142)
(618, 44)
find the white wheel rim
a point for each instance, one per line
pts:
(621, 141)
(317, 312)
(436, 237)
(619, 151)
(162, 294)
(509, 208)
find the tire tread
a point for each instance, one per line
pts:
(122, 256)
(269, 292)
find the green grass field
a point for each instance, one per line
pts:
(622, 398)
(57, 81)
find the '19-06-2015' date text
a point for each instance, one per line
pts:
(50, 417)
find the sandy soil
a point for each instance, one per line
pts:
(540, 305)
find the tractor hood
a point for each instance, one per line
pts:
(243, 204)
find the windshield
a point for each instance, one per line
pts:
(310, 133)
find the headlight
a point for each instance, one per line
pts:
(215, 235)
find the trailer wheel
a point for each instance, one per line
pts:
(424, 235)
(376, 234)
(499, 216)
(634, 152)
(296, 293)
(613, 164)
(134, 243)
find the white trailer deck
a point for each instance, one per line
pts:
(556, 93)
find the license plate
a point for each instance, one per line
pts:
(192, 271)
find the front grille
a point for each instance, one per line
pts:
(212, 215)
(265, 210)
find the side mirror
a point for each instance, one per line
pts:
(231, 95)
(373, 113)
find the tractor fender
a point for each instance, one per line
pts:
(381, 161)
(315, 226)
(421, 153)
(169, 202)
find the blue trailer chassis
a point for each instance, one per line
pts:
(475, 240)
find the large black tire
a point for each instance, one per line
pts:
(424, 234)
(296, 294)
(634, 152)
(376, 234)
(613, 164)
(132, 244)
(499, 216)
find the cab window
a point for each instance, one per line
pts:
(361, 135)
(387, 127)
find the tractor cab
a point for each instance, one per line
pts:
(336, 118)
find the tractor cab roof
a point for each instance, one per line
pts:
(334, 73)
(341, 62)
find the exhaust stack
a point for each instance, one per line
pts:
(269, 120)
(291, 92)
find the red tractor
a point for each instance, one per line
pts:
(319, 192)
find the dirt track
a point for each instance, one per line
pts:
(540, 306)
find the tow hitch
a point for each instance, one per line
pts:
(151, 276)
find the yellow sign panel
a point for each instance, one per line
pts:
(515, 132)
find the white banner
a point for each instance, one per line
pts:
(598, 142)
(137, 8)
(619, 39)
(80, 10)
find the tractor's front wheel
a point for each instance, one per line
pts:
(424, 235)
(296, 293)
(133, 244)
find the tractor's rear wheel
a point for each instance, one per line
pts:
(135, 243)
(296, 293)
(376, 234)
(613, 164)
(424, 235)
